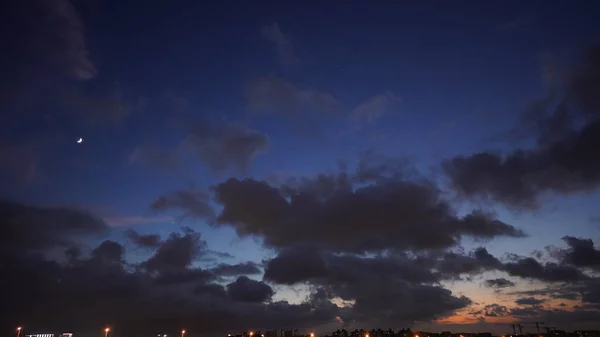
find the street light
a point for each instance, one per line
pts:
(182, 332)
(312, 334)
(106, 332)
(19, 331)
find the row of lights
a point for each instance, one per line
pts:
(106, 331)
(251, 333)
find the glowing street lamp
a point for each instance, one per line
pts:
(251, 333)
(182, 332)
(19, 331)
(106, 332)
(312, 334)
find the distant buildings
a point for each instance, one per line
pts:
(399, 333)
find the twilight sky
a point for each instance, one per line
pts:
(254, 165)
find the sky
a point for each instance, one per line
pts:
(323, 165)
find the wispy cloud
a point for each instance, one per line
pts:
(285, 50)
(135, 220)
(275, 95)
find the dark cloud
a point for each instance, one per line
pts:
(554, 291)
(479, 260)
(529, 301)
(161, 293)
(562, 317)
(172, 288)
(145, 241)
(388, 288)
(176, 253)
(184, 276)
(495, 310)
(499, 283)
(43, 227)
(581, 253)
(296, 265)
(564, 160)
(193, 204)
(108, 252)
(549, 272)
(333, 210)
(247, 268)
(245, 289)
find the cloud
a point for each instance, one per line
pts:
(374, 108)
(192, 203)
(277, 96)
(145, 241)
(246, 290)
(136, 300)
(477, 261)
(176, 253)
(529, 301)
(285, 50)
(393, 288)
(330, 211)
(370, 111)
(219, 147)
(499, 283)
(402, 285)
(134, 220)
(233, 145)
(566, 125)
(42, 227)
(581, 253)
(247, 268)
(49, 47)
(495, 310)
(562, 317)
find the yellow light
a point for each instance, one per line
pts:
(107, 330)
(251, 333)
(366, 335)
(312, 334)
(182, 331)
(19, 328)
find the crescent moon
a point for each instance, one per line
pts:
(80, 140)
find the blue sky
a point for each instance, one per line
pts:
(461, 72)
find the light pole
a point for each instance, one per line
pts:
(106, 332)
(19, 331)
(182, 332)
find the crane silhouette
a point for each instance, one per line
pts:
(537, 325)
(514, 326)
